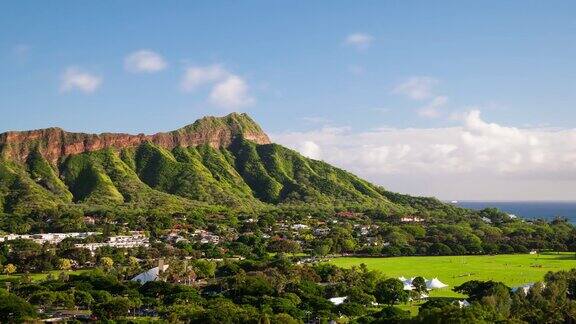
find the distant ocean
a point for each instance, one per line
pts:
(528, 209)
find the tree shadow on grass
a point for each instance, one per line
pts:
(555, 256)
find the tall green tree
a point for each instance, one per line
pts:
(390, 292)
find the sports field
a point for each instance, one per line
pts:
(513, 270)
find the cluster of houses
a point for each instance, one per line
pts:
(174, 237)
(411, 219)
(366, 234)
(321, 231)
(204, 236)
(52, 238)
(134, 239)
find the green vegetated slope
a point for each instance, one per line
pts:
(231, 123)
(244, 174)
(240, 174)
(200, 173)
(19, 193)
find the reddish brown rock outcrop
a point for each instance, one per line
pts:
(55, 143)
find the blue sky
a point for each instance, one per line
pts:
(305, 69)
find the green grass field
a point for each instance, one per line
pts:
(513, 270)
(38, 276)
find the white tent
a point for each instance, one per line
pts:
(463, 303)
(435, 284)
(409, 281)
(337, 300)
(150, 275)
(408, 286)
(525, 288)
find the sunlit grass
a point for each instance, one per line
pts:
(513, 270)
(39, 276)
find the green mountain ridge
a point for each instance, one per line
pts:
(229, 169)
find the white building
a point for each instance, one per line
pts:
(150, 275)
(136, 239)
(206, 237)
(53, 238)
(321, 231)
(338, 300)
(299, 227)
(411, 219)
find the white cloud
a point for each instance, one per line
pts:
(360, 41)
(144, 61)
(197, 76)
(311, 150)
(475, 160)
(75, 79)
(421, 88)
(416, 88)
(228, 90)
(431, 109)
(231, 93)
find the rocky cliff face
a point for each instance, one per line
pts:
(55, 143)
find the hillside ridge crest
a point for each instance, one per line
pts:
(55, 143)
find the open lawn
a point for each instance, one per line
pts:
(38, 276)
(513, 270)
